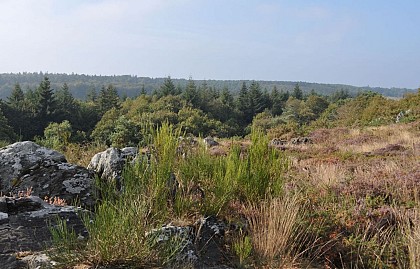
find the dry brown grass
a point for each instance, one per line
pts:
(326, 175)
(274, 231)
(82, 154)
(353, 194)
(412, 234)
(374, 138)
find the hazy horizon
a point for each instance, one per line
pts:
(205, 79)
(358, 43)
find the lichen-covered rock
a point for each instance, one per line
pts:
(210, 236)
(278, 142)
(301, 140)
(21, 157)
(110, 163)
(26, 165)
(200, 245)
(210, 142)
(39, 260)
(182, 236)
(25, 227)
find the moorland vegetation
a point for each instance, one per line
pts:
(348, 198)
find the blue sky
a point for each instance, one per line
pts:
(370, 42)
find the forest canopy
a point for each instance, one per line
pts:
(104, 115)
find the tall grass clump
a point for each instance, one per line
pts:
(117, 232)
(162, 184)
(244, 175)
(223, 187)
(260, 171)
(411, 230)
(66, 244)
(276, 231)
(81, 154)
(373, 247)
(199, 171)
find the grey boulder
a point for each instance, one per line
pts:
(27, 166)
(109, 164)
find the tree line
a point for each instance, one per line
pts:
(132, 85)
(29, 113)
(199, 109)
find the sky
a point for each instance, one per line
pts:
(358, 42)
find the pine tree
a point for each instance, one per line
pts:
(6, 132)
(108, 98)
(31, 102)
(245, 105)
(242, 102)
(226, 97)
(46, 102)
(16, 97)
(66, 105)
(297, 92)
(91, 95)
(276, 102)
(191, 94)
(167, 88)
(256, 100)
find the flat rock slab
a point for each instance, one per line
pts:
(25, 225)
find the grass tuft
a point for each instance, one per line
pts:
(275, 230)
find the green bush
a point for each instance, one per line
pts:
(57, 135)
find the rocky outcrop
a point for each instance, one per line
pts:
(26, 165)
(301, 140)
(210, 142)
(110, 163)
(201, 244)
(25, 225)
(401, 115)
(278, 142)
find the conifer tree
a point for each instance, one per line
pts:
(276, 102)
(6, 132)
(226, 97)
(242, 102)
(16, 97)
(108, 98)
(66, 105)
(245, 105)
(91, 95)
(297, 92)
(190, 93)
(167, 88)
(46, 104)
(257, 103)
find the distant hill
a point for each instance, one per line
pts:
(131, 85)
